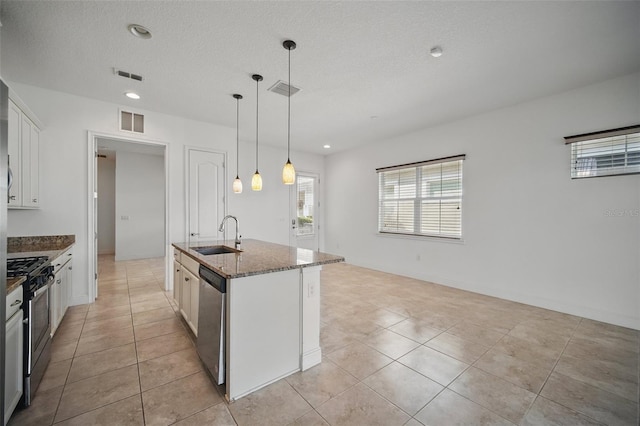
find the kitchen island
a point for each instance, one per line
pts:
(272, 309)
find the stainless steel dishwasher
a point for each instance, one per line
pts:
(211, 323)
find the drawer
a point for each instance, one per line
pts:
(192, 265)
(14, 302)
(62, 260)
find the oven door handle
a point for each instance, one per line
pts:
(42, 289)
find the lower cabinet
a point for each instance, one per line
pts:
(186, 290)
(14, 380)
(193, 283)
(59, 292)
(189, 298)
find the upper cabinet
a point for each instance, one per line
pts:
(24, 159)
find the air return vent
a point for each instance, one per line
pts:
(282, 88)
(127, 74)
(131, 122)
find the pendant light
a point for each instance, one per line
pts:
(288, 172)
(256, 180)
(237, 183)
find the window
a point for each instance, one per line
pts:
(606, 153)
(305, 205)
(422, 198)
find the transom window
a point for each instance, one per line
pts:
(422, 198)
(606, 153)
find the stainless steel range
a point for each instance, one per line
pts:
(37, 326)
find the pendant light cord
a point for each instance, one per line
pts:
(289, 112)
(237, 136)
(257, 81)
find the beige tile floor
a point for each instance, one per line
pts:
(396, 351)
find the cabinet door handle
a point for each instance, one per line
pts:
(16, 303)
(13, 197)
(35, 200)
(186, 278)
(70, 268)
(59, 281)
(193, 234)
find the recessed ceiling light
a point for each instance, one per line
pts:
(327, 146)
(132, 95)
(436, 51)
(139, 31)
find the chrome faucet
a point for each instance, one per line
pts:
(221, 229)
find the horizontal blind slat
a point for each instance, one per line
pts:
(425, 199)
(604, 156)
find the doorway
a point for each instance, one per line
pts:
(305, 222)
(128, 202)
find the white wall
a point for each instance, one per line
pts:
(64, 185)
(531, 234)
(140, 221)
(107, 205)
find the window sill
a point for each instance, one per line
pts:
(434, 239)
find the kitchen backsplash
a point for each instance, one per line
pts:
(39, 243)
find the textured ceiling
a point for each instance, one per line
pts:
(364, 67)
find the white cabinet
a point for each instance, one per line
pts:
(24, 159)
(62, 270)
(30, 163)
(192, 282)
(14, 380)
(15, 156)
(186, 289)
(177, 281)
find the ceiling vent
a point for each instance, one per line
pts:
(126, 74)
(131, 122)
(282, 88)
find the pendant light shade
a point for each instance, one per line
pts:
(237, 183)
(288, 171)
(256, 180)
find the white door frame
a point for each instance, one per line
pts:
(293, 200)
(187, 200)
(92, 255)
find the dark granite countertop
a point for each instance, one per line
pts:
(13, 283)
(257, 257)
(51, 246)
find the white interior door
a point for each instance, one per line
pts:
(206, 195)
(305, 210)
(94, 219)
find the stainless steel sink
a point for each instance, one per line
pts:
(209, 250)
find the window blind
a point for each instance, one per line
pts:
(606, 153)
(423, 198)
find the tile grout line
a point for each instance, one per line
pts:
(586, 383)
(135, 342)
(73, 357)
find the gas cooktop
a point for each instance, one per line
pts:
(25, 265)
